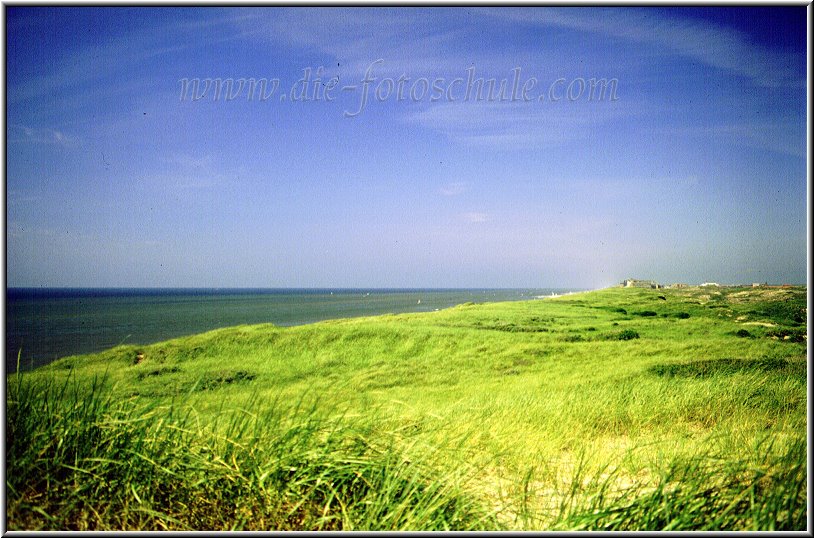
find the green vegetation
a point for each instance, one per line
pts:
(565, 413)
(627, 334)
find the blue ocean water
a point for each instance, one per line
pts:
(46, 324)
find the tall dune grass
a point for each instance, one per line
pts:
(80, 459)
(518, 416)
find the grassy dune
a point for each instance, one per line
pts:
(617, 409)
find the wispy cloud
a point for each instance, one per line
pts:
(344, 32)
(474, 217)
(412, 42)
(716, 46)
(519, 125)
(121, 56)
(41, 135)
(185, 171)
(454, 189)
(630, 188)
(785, 137)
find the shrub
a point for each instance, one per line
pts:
(682, 315)
(789, 335)
(730, 366)
(743, 333)
(627, 334)
(647, 313)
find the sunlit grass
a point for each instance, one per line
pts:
(521, 415)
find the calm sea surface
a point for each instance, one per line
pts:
(47, 324)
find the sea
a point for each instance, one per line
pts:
(44, 324)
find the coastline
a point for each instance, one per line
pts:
(50, 323)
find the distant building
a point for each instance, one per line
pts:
(634, 283)
(677, 285)
(710, 284)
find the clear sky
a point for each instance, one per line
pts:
(690, 167)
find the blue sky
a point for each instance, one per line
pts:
(693, 170)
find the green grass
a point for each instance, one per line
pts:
(88, 460)
(611, 410)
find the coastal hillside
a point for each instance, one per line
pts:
(616, 409)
